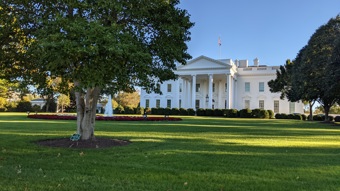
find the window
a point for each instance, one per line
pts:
(198, 87)
(158, 103)
(226, 87)
(276, 106)
(261, 87)
(261, 104)
(147, 103)
(168, 103)
(180, 87)
(180, 103)
(247, 104)
(213, 88)
(247, 87)
(291, 107)
(197, 104)
(169, 87)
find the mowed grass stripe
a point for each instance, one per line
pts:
(198, 153)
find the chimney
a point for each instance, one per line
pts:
(256, 62)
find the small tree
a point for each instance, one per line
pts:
(63, 101)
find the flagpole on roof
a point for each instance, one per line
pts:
(219, 47)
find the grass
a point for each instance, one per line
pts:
(197, 153)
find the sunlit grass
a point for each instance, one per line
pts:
(198, 153)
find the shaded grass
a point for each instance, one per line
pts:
(197, 153)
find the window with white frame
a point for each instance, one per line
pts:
(158, 103)
(180, 103)
(261, 104)
(291, 107)
(169, 87)
(247, 86)
(213, 88)
(276, 106)
(261, 87)
(180, 87)
(147, 103)
(226, 87)
(168, 103)
(247, 104)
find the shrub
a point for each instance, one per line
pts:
(24, 106)
(166, 111)
(36, 108)
(232, 113)
(256, 113)
(52, 107)
(318, 117)
(271, 114)
(200, 112)
(330, 118)
(263, 114)
(191, 112)
(139, 110)
(304, 117)
(278, 116)
(284, 116)
(174, 111)
(298, 116)
(218, 112)
(337, 119)
(245, 113)
(209, 112)
(128, 110)
(119, 109)
(183, 111)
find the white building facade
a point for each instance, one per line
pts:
(221, 84)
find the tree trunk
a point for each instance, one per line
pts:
(311, 103)
(86, 111)
(326, 108)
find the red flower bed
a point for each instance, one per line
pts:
(103, 118)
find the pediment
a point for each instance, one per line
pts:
(203, 62)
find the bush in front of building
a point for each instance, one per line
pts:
(200, 112)
(191, 111)
(174, 111)
(209, 112)
(183, 111)
(119, 110)
(271, 114)
(255, 113)
(218, 112)
(129, 110)
(337, 118)
(24, 106)
(231, 113)
(245, 113)
(139, 110)
(263, 114)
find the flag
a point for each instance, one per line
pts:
(219, 41)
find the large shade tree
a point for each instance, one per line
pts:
(98, 46)
(314, 76)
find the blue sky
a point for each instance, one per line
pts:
(271, 30)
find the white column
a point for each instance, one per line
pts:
(220, 90)
(235, 93)
(183, 94)
(193, 91)
(228, 92)
(210, 84)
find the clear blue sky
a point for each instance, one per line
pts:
(271, 30)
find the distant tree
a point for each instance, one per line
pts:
(126, 99)
(63, 101)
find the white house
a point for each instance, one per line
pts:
(225, 84)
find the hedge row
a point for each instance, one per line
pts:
(170, 111)
(248, 113)
(291, 116)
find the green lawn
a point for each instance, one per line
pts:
(194, 154)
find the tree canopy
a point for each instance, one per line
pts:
(98, 45)
(314, 75)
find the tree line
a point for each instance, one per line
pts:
(314, 75)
